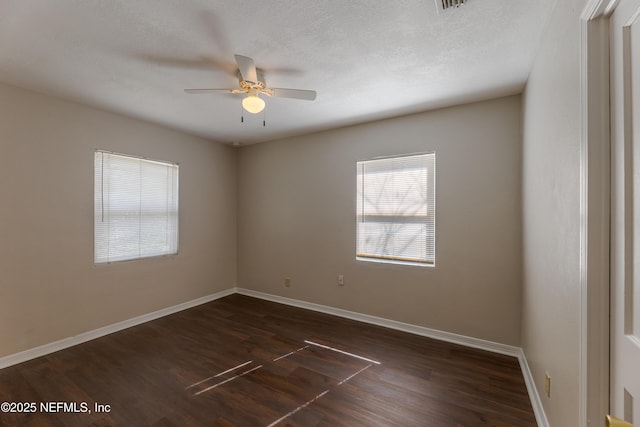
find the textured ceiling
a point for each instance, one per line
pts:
(367, 59)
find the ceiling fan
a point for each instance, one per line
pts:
(253, 87)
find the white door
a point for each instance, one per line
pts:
(625, 211)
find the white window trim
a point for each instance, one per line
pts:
(429, 218)
(172, 233)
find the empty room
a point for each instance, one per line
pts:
(296, 213)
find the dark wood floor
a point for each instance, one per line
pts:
(240, 361)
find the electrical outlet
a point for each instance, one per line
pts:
(340, 279)
(547, 384)
(287, 282)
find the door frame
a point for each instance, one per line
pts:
(595, 203)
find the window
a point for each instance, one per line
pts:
(396, 209)
(136, 207)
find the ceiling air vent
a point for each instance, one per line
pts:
(445, 5)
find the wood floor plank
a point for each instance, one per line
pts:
(244, 362)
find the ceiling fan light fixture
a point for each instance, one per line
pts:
(253, 103)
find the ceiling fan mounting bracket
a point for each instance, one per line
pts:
(259, 87)
(246, 85)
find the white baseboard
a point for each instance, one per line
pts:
(14, 359)
(534, 396)
(391, 324)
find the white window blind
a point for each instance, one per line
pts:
(396, 209)
(136, 207)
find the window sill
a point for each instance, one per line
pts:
(394, 262)
(139, 259)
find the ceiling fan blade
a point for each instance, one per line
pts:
(308, 95)
(247, 68)
(208, 90)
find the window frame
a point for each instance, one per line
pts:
(428, 219)
(171, 214)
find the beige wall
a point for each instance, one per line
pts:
(50, 288)
(551, 215)
(296, 212)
